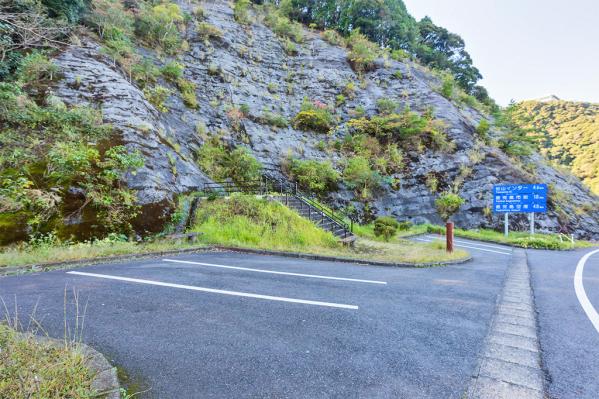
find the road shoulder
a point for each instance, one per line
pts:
(510, 362)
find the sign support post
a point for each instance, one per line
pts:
(505, 224)
(532, 223)
(449, 237)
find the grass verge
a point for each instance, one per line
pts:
(518, 239)
(32, 369)
(64, 252)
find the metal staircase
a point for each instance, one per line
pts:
(288, 194)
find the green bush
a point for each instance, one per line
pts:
(399, 55)
(71, 10)
(362, 52)
(221, 163)
(208, 31)
(241, 11)
(111, 20)
(145, 72)
(447, 86)
(36, 69)
(314, 116)
(407, 128)
(282, 26)
(274, 119)
(315, 176)
(386, 106)
(483, 129)
(405, 225)
(159, 25)
(386, 227)
(447, 204)
(188, 93)
(172, 71)
(157, 96)
(392, 127)
(290, 47)
(333, 37)
(359, 176)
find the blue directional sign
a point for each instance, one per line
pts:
(520, 198)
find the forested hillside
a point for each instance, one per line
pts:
(569, 135)
(110, 110)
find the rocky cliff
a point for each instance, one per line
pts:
(249, 65)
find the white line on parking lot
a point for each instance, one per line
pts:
(355, 280)
(467, 246)
(215, 291)
(478, 244)
(580, 292)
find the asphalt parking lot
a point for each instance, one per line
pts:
(224, 324)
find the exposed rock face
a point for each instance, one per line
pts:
(90, 79)
(254, 69)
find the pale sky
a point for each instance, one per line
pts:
(526, 49)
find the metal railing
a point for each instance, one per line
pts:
(270, 185)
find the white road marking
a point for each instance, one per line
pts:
(473, 243)
(276, 272)
(580, 292)
(467, 246)
(215, 291)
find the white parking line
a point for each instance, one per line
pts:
(472, 243)
(215, 291)
(467, 246)
(580, 292)
(276, 272)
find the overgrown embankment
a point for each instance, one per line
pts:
(33, 369)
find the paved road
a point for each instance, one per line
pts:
(569, 341)
(190, 330)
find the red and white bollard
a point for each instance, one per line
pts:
(449, 236)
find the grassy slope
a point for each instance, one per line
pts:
(247, 221)
(29, 369)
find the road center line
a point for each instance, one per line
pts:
(472, 243)
(467, 246)
(215, 291)
(276, 272)
(580, 292)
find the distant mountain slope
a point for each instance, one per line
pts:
(571, 131)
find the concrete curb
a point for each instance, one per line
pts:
(510, 362)
(40, 267)
(106, 382)
(339, 259)
(5, 271)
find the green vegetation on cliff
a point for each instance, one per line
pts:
(389, 24)
(569, 135)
